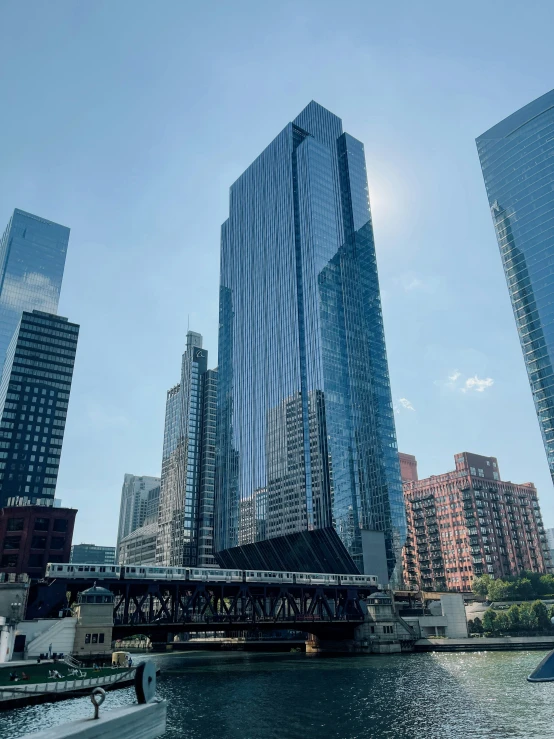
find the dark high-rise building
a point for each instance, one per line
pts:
(34, 395)
(517, 159)
(92, 554)
(304, 402)
(185, 521)
(32, 260)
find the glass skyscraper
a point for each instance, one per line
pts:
(306, 435)
(185, 522)
(34, 395)
(517, 159)
(32, 260)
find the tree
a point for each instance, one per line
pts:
(480, 585)
(541, 614)
(546, 585)
(524, 589)
(513, 615)
(528, 617)
(500, 590)
(501, 623)
(488, 621)
(477, 626)
(551, 612)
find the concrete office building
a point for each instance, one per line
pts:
(135, 498)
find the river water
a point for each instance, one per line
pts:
(281, 696)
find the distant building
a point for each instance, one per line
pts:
(186, 509)
(92, 554)
(32, 261)
(34, 396)
(408, 466)
(139, 547)
(135, 496)
(31, 536)
(469, 522)
(517, 159)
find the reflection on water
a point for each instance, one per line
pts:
(277, 696)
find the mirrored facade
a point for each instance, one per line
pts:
(185, 522)
(32, 260)
(306, 435)
(517, 159)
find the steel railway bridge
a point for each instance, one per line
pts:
(157, 608)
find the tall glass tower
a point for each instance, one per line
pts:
(185, 518)
(306, 435)
(517, 159)
(32, 260)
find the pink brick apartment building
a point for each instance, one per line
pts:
(468, 522)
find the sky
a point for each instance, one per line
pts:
(128, 120)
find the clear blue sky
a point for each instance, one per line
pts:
(128, 120)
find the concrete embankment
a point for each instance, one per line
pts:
(483, 644)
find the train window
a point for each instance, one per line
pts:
(60, 569)
(133, 569)
(80, 569)
(102, 569)
(142, 570)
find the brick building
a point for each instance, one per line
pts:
(469, 522)
(31, 536)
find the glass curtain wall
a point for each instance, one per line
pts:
(517, 159)
(306, 434)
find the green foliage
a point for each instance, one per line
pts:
(513, 615)
(477, 626)
(502, 623)
(541, 614)
(525, 587)
(480, 585)
(489, 620)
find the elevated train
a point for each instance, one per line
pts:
(202, 574)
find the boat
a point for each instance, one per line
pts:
(33, 683)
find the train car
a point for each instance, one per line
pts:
(205, 574)
(358, 580)
(83, 571)
(268, 576)
(315, 578)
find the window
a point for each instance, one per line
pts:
(38, 542)
(100, 638)
(9, 560)
(15, 524)
(95, 638)
(36, 560)
(87, 638)
(60, 524)
(41, 524)
(12, 542)
(58, 542)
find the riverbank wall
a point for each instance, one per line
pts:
(485, 644)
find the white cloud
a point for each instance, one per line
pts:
(456, 381)
(406, 404)
(477, 384)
